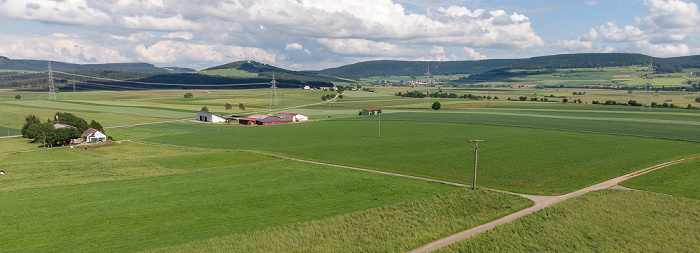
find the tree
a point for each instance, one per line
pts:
(94, 124)
(436, 105)
(18, 97)
(29, 120)
(565, 100)
(188, 95)
(205, 109)
(46, 133)
(241, 107)
(522, 98)
(697, 100)
(228, 106)
(32, 131)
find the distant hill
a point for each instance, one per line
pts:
(414, 68)
(41, 65)
(592, 60)
(256, 69)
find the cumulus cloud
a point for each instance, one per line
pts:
(361, 47)
(179, 51)
(662, 50)
(293, 46)
(179, 35)
(611, 32)
(59, 47)
(473, 55)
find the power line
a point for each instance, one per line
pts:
(167, 84)
(476, 155)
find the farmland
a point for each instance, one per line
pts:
(607, 220)
(175, 185)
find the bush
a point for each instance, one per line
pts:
(697, 100)
(436, 105)
(20, 97)
(205, 109)
(566, 100)
(188, 95)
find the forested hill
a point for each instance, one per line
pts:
(266, 70)
(414, 68)
(41, 65)
(592, 60)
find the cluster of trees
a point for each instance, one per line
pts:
(48, 135)
(439, 94)
(328, 96)
(579, 93)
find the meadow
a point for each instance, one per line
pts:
(401, 227)
(605, 221)
(526, 160)
(679, 180)
(128, 200)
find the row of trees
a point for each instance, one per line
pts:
(48, 135)
(420, 94)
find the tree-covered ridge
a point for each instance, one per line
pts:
(414, 68)
(266, 70)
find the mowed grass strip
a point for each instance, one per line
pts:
(681, 179)
(394, 228)
(153, 212)
(526, 160)
(600, 221)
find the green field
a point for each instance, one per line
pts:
(600, 221)
(132, 204)
(526, 160)
(5, 131)
(681, 179)
(394, 228)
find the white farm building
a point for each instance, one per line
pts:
(294, 116)
(210, 117)
(93, 135)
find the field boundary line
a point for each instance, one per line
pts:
(540, 203)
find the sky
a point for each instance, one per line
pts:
(319, 34)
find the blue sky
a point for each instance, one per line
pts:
(317, 34)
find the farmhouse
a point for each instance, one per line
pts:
(369, 111)
(93, 135)
(205, 116)
(295, 117)
(328, 88)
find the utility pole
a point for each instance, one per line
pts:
(379, 128)
(476, 155)
(273, 98)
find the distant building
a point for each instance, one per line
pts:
(205, 116)
(369, 111)
(295, 117)
(268, 121)
(307, 87)
(93, 135)
(328, 88)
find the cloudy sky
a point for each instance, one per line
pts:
(317, 34)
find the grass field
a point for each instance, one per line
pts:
(526, 160)
(681, 179)
(393, 228)
(600, 221)
(131, 204)
(14, 116)
(5, 131)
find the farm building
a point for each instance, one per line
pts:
(268, 121)
(369, 111)
(328, 88)
(93, 135)
(210, 117)
(295, 117)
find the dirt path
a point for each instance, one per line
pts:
(540, 203)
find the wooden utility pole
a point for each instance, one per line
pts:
(476, 155)
(379, 128)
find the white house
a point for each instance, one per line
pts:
(307, 87)
(210, 117)
(295, 116)
(93, 135)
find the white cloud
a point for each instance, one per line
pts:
(473, 55)
(178, 51)
(672, 14)
(611, 32)
(362, 47)
(179, 35)
(62, 47)
(591, 3)
(293, 46)
(662, 50)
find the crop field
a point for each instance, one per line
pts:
(679, 179)
(605, 221)
(87, 200)
(562, 161)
